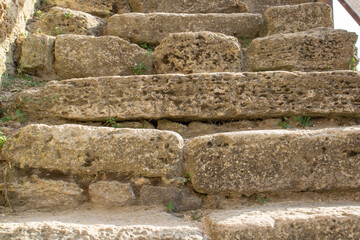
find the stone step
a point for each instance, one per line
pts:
(151, 28)
(216, 96)
(320, 49)
(100, 224)
(252, 162)
(309, 221)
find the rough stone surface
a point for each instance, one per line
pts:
(111, 193)
(79, 56)
(164, 124)
(321, 49)
(297, 18)
(65, 21)
(260, 6)
(153, 27)
(37, 55)
(196, 52)
(216, 96)
(94, 7)
(310, 222)
(36, 193)
(184, 6)
(80, 149)
(182, 198)
(124, 223)
(275, 160)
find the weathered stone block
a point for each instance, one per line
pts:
(196, 52)
(94, 7)
(111, 193)
(88, 150)
(64, 21)
(216, 96)
(183, 6)
(286, 222)
(37, 55)
(260, 6)
(153, 27)
(274, 161)
(321, 49)
(298, 18)
(182, 198)
(79, 56)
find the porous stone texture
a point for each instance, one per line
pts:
(320, 49)
(79, 56)
(87, 150)
(274, 160)
(309, 222)
(94, 7)
(164, 124)
(102, 224)
(260, 6)
(182, 199)
(37, 55)
(65, 21)
(111, 193)
(36, 193)
(184, 6)
(298, 18)
(215, 96)
(152, 28)
(196, 52)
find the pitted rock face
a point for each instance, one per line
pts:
(65, 21)
(260, 6)
(79, 56)
(320, 49)
(94, 7)
(196, 52)
(297, 18)
(184, 6)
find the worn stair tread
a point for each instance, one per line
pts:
(116, 223)
(309, 221)
(204, 96)
(151, 28)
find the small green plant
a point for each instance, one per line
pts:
(262, 200)
(196, 216)
(304, 121)
(148, 48)
(40, 14)
(139, 69)
(68, 15)
(6, 119)
(2, 138)
(20, 116)
(284, 123)
(58, 31)
(170, 207)
(111, 122)
(246, 42)
(352, 65)
(188, 177)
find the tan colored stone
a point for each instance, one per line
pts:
(196, 52)
(164, 124)
(184, 6)
(274, 161)
(94, 7)
(152, 28)
(65, 21)
(298, 18)
(182, 199)
(79, 56)
(111, 193)
(321, 49)
(260, 6)
(37, 55)
(87, 150)
(216, 96)
(284, 222)
(141, 124)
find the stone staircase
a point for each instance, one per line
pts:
(177, 119)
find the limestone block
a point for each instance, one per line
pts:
(94, 7)
(321, 49)
(88, 150)
(164, 124)
(37, 55)
(184, 6)
(111, 193)
(260, 6)
(153, 27)
(298, 18)
(204, 97)
(79, 56)
(196, 52)
(253, 162)
(286, 222)
(182, 198)
(65, 21)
